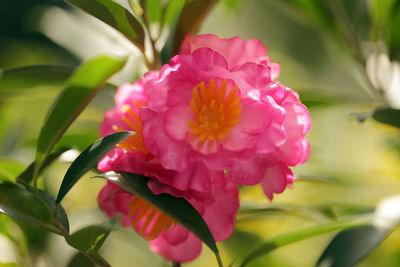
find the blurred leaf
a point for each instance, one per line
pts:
(81, 88)
(14, 80)
(27, 175)
(319, 179)
(79, 259)
(115, 16)
(153, 10)
(190, 18)
(316, 98)
(172, 11)
(89, 239)
(380, 11)
(177, 208)
(18, 202)
(387, 115)
(349, 247)
(288, 238)
(239, 243)
(9, 169)
(88, 159)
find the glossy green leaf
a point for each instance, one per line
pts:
(115, 16)
(88, 159)
(89, 239)
(191, 16)
(79, 259)
(177, 208)
(387, 115)
(81, 88)
(290, 237)
(14, 80)
(349, 247)
(60, 218)
(19, 202)
(27, 175)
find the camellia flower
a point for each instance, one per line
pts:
(218, 204)
(217, 106)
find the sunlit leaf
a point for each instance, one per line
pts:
(14, 80)
(380, 11)
(177, 208)
(81, 88)
(349, 247)
(116, 16)
(239, 243)
(89, 239)
(9, 169)
(191, 16)
(290, 237)
(88, 159)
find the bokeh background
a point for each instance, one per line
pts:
(352, 166)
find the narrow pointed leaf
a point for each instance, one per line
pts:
(60, 218)
(387, 115)
(81, 88)
(79, 259)
(19, 202)
(14, 80)
(349, 247)
(291, 237)
(177, 208)
(88, 159)
(89, 239)
(116, 16)
(192, 14)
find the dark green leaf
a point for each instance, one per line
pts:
(80, 260)
(27, 77)
(89, 239)
(81, 88)
(177, 208)
(192, 14)
(88, 159)
(60, 218)
(27, 175)
(19, 202)
(387, 115)
(116, 16)
(287, 238)
(349, 247)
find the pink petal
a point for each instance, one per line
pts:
(297, 121)
(176, 119)
(271, 139)
(275, 180)
(295, 152)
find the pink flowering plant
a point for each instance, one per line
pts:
(207, 120)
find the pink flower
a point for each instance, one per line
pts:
(216, 107)
(217, 203)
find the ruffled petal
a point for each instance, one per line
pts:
(276, 179)
(176, 119)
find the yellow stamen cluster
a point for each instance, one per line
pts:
(215, 111)
(133, 122)
(155, 222)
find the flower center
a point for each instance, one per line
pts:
(132, 121)
(148, 220)
(215, 111)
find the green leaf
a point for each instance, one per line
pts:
(9, 169)
(19, 202)
(81, 88)
(177, 208)
(380, 11)
(349, 247)
(14, 80)
(60, 218)
(192, 14)
(27, 175)
(153, 9)
(288, 238)
(89, 239)
(387, 115)
(80, 260)
(88, 159)
(115, 16)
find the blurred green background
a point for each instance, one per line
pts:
(352, 165)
